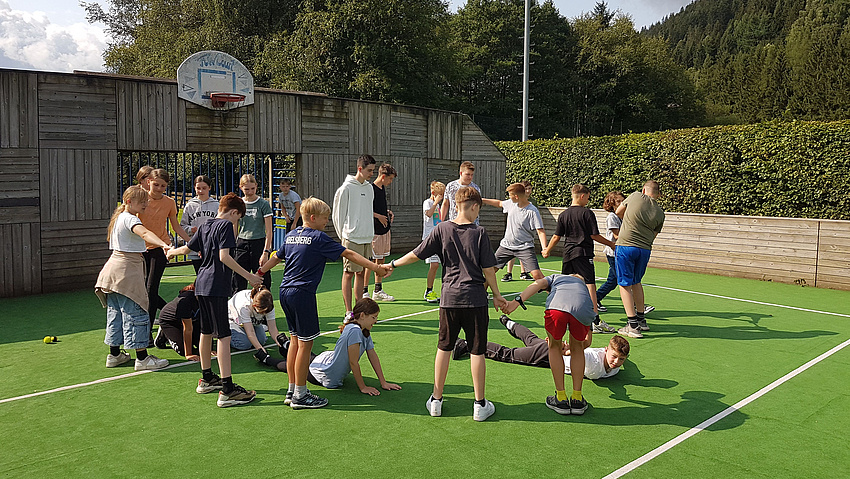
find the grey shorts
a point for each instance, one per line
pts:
(527, 257)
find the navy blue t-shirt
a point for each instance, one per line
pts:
(305, 251)
(213, 276)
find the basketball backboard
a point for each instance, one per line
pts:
(207, 72)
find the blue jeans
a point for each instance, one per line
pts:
(611, 282)
(126, 323)
(239, 340)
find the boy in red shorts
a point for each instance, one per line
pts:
(568, 307)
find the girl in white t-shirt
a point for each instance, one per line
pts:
(331, 367)
(121, 283)
(251, 314)
(612, 232)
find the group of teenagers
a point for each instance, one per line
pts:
(221, 307)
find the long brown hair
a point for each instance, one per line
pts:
(362, 306)
(261, 299)
(135, 192)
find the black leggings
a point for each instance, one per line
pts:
(247, 253)
(155, 262)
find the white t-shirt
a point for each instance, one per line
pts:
(612, 222)
(288, 201)
(594, 364)
(122, 237)
(429, 221)
(239, 310)
(521, 227)
(451, 191)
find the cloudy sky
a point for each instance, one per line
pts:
(53, 35)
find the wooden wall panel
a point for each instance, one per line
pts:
(490, 177)
(73, 254)
(321, 175)
(20, 261)
(78, 184)
(274, 123)
(369, 128)
(149, 116)
(445, 132)
(411, 187)
(476, 146)
(833, 266)
(18, 109)
(216, 131)
(409, 132)
(443, 171)
(76, 112)
(324, 126)
(19, 185)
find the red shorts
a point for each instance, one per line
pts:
(558, 322)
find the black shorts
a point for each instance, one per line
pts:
(213, 313)
(302, 313)
(473, 321)
(582, 265)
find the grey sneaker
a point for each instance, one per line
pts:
(480, 413)
(603, 328)
(577, 408)
(435, 406)
(382, 296)
(236, 397)
(288, 399)
(308, 401)
(204, 387)
(630, 332)
(642, 325)
(114, 361)
(151, 363)
(560, 407)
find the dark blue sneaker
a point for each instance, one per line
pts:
(560, 407)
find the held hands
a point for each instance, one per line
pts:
(254, 279)
(510, 307)
(499, 302)
(169, 252)
(545, 252)
(384, 270)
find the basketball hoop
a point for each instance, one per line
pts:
(220, 99)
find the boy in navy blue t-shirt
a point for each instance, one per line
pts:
(213, 241)
(305, 251)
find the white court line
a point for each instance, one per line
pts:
(717, 417)
(729, 298)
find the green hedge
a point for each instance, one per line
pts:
(790, 169)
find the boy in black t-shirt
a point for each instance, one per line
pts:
(577, 225)
(468, 268)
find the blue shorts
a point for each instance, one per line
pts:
(631, 264)
(302, 314)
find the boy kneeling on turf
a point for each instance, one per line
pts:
(468, 268)
(568, 307)
(305, 250)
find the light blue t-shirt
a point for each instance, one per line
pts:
(331, 367)
(521, 227)
(570, 295)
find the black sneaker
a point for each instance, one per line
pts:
(560, 407)
(578, 407)
(507, 278)
(460, 350)
(600, 308)
(308, 401)
(283, 349)
(236, 397)
(213, 384)
(526, 276)
(504, 320)
(160, 341)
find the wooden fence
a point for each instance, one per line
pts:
(61, 134)
(808, 252)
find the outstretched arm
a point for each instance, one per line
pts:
(604, 240)
(527, 293)
(382, 270)
(490, 280)
(492, 202)
(541, 234)
(354, 364)
(224, 257)
(552, 242)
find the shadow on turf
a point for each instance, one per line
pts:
(732, 330)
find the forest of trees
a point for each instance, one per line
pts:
(717, 61)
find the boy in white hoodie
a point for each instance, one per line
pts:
(353, 222)
(198, 211)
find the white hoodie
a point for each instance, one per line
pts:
(352, 211)
(196, 213)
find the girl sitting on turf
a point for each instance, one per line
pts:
(251, 313)
(331, 367)
(121, 283)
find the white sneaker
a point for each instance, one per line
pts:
(435, 406)
(480, 413)
(151, 363)
(366, 294)
(382, 296)
(113, 361)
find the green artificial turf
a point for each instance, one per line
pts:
(703, 354)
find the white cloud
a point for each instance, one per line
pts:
(30, 39)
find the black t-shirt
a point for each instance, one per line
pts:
(184, 306)
(576, 224)
(379, 205)
(463, 250)
(213, 276)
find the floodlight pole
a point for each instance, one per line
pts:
(525, 69)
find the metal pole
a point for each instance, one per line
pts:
(525, 69)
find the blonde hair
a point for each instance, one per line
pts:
(438, 188)
(133, 193)
(247, 178)
(314, 206)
